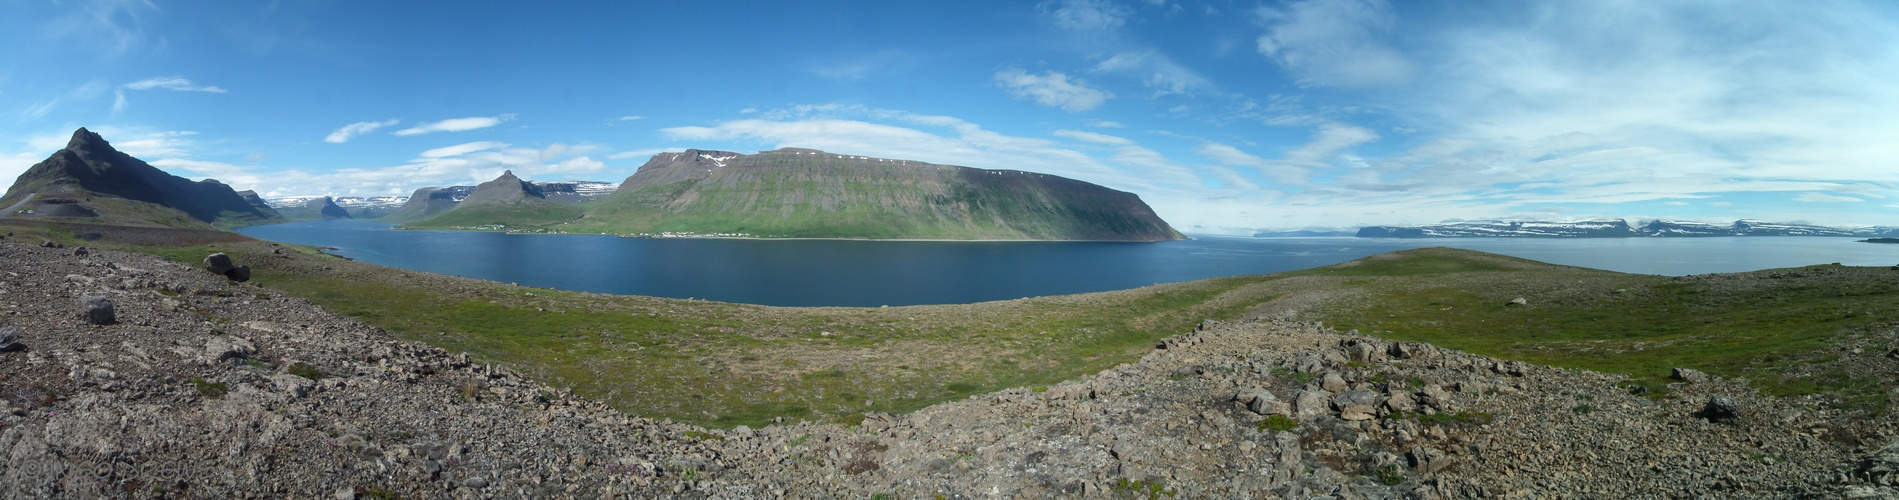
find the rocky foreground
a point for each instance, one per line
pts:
(124, 375)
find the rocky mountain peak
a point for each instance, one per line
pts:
(85, 139)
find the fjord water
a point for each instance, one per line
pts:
(873, 273)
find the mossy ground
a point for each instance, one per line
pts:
(723, 365)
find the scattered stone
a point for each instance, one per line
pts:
(97, 310)
(1689, 375)
(239, 273)
(1313, 403)
(80, 251)
(1333, 382)
(1720, 409)
(10, 340)
(1519, 301)
(1426, 460)
(476, 482)
(218, 263)
(50, 244)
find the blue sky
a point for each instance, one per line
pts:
(1224, 116)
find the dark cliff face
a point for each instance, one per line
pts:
(805, 192)
(89, 164)
(329, 210)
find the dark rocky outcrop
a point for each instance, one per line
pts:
(88, 167)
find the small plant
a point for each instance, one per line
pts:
(799, 440)
(1123, 488)
(378, 494)
(213, 390)
(880, 496)
(1039, 389)
(1390, 475)
(1277, 423)
(306, 371)
(1583, 409)
(257, 364)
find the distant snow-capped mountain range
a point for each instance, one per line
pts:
(1615, 228)
(578, 190)
(378, 206)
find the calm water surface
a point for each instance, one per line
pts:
(873, 273)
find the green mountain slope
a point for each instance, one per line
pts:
(506, 201)
(88, 179)
(807, 193)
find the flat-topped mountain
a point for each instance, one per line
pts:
(90, 177)
(1614, 228)
(795, 192)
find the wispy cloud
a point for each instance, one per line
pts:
(1333, 42)
(172, 83)
(84, 92)
(858, 68)
(1154, 70)
(1084, 15)
(1811, 197)
(347, 132)
(109, 27)
(1052, 89)
(462, 149)
(1106, 124)
(457, 125)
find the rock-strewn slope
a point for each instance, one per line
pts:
(201, 387)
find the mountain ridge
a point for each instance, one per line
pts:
(124, 189)
(1615, 228)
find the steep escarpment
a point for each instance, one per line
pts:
(429, 202)
(808, 193)
(88, 172)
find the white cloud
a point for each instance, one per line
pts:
(464, 164)
(1106, 124)
(1052, 89)
(1333, 42)
(457, 125)
(1722, 204)
(352, 130)
(1811, 197)
(629, 118)
(1155, 70)
(172, 83)
(462, 149)
(1084, 15)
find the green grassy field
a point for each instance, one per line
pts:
(722, 364)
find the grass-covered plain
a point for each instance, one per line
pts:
(722, 364)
